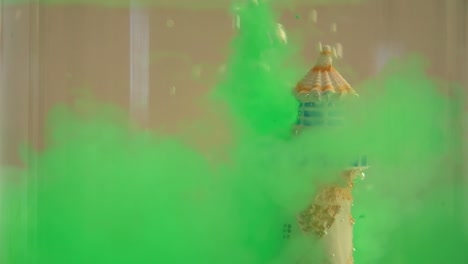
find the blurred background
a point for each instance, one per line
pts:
(157, 60)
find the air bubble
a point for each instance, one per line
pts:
(339, 50)
(313, 15)
(170, 23)
(335, 54)
(282, 33)
(197, 71)
(222, 69)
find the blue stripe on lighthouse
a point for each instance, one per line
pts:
(313, 114)
(361, 162)
(364, 161)
(313, 122)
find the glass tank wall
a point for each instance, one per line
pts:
(161, 131)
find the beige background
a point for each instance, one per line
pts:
(48, 51)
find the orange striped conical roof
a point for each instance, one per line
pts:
(323, 78)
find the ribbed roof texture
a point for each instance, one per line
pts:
(324, 78)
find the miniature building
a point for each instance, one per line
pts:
(319, 91)
(328, 217)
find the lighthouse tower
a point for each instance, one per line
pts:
(328, 216)
(319, 92)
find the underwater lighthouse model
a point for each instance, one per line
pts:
(328, 217)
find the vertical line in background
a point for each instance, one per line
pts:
(447, 11)
(2, 88)
(3, 251)
(464, 122)
(456, 71)
(33, 130)
(388, 13)
(388, 46)
(139, 63)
